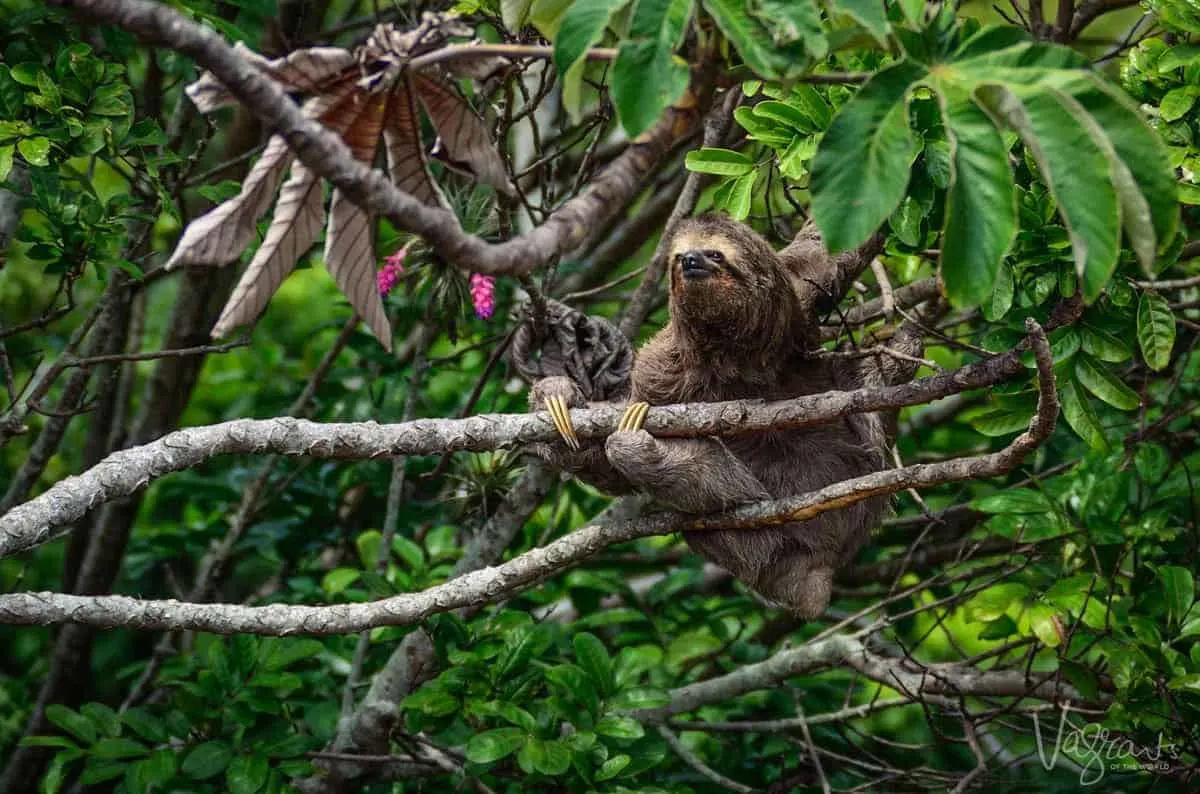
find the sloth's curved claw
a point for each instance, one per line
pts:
(557, 407)
(634, 417)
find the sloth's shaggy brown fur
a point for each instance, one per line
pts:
(738, 331)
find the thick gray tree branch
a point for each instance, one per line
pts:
(327, 155)
(128, 471)
(491, 584)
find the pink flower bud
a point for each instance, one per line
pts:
(483, 295)
(393, 268)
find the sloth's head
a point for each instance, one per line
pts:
(727, 283)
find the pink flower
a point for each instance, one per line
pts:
(393, 268)
(483, 295)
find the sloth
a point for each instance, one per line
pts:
(741, 328)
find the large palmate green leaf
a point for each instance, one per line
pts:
(981, 204)
(1078, 174)
(647, 77)
(862, 168)
(871, 14)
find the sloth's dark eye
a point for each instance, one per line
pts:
(716, 256)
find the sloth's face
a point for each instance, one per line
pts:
(699, 257)
(713, 275)
(726, 281)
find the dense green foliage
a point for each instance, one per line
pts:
(1001, 163)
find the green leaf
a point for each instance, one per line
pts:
(35, 150)
(863, 165)
(6, 161)
(1046, 625)
(1179, 55)
(1143, 154)
(1001, 422)
(793, 161)
(781, 42)
(1002, 294)
(337, 580)
(785, 115)
(1104, 345)
(998, 629)
(1180, 589)
(547, 16)
(1076, 171)
(1155, 330)
(61, 742)
(1016, 501)
(871, 14)
(1081, 417)
(100, 771)
(646, 76)
(103, 717)
(612, 767)
(738, 197)
(145, 724)
(207, 760)
(520, 646)
(639, 698)
(619, 727)
(1096, 378)
(276, 653)
(809, 101)
(1177, 102)
(369, 545)
(760, 128)
(550, 757)
(514, 13)
(114, 748)
(160, 767)
(981, 207)
(247, 774)
(722, 162)
(905, 222)
(72, 722)
(582, 26)
(593, 657)
(646, 79)
(1191, 627)
(490, 746)
(412, 554)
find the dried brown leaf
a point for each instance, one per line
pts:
(350, 258)
(407, 163)
(221, 235)
(294, 229)
(307, 70)
(349, 242)
(466, 140)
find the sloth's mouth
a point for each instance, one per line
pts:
(697, 270)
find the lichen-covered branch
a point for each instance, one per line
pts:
(124, 473)
(492, 584)
(918, 683)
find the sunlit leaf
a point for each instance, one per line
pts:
(1155, 330)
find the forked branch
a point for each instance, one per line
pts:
(492, 584)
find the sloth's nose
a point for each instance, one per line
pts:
(695, 265)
